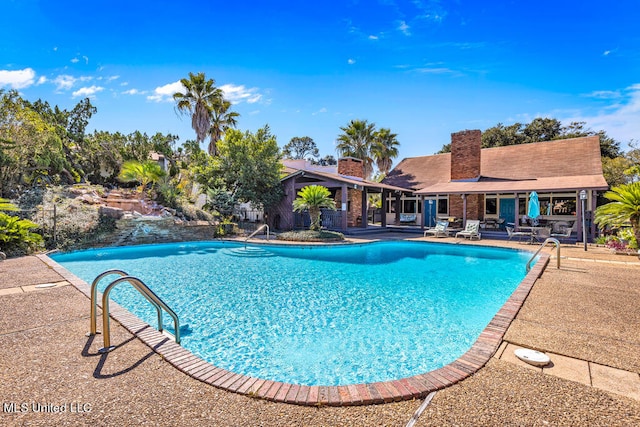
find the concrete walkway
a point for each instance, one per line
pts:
(586, 312)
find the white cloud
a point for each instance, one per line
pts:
(165, 93)
(605, 94)
(134, 92)
(64, 82)
(75, 60)
(351, 61)
(87, 91)
(320, 111)
(42, 80)
(372, 37)
(404, 28)
(620, 119)
(238, 93)
(606, 53)
(17, 79)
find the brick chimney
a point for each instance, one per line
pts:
(350, 166)
(465, 154)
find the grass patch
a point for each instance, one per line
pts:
(311, 236)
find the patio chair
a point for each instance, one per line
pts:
(542, 234)
(519, 234)
(564, 233)
(440, 230)
(471, 230)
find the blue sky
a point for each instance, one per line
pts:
(424, 69)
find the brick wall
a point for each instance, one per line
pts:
(355, 211)
(351, 167)
(465, 154)
(475, 206)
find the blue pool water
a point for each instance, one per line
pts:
(330, 315)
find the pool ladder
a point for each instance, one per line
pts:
(548, 240)
(256, 232)
(140, 287)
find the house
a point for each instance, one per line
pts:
(493, 184)
(348, 188)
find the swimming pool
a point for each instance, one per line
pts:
(317, 315)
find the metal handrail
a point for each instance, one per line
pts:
(548, 240)
(149, 295)
(256, 232)
(94, 297)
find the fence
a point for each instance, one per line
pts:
(331, 220)
(47, 220)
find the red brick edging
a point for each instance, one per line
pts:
(417, 386)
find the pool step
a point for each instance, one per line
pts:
(248, 252)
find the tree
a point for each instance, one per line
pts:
(221, 120)
(247, 166)
(313, 198)
(327, 160)
(199, 96)
(301, 148)
(356, 141)
(614, 170)
(143, 172)
(384, 149)
(6, 205)
(542, 129)
(625, 206)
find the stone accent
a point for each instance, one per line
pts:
(465, 154)
(144, 230)
(350, 166)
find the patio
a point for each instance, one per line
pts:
(584, 311)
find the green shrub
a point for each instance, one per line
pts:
(311, 236)
(16, 237)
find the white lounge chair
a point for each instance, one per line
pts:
(440, 230)
(471, 230)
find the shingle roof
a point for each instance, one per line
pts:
(352, 182)
(567, 164)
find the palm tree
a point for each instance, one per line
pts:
(144, 173)
(625, 206)
(314, 198)
(356, 141)
(221, 120)
(197, 100)
(385, 149)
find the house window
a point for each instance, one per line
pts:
(409, 206)
(491, 206)
(443, 206)
(564, 206)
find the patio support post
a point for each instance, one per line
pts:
(516, 224)
(424, 213)
(383, 215)
(363, 210)
(464, 210)
(344, 203)
(398, 207)
(592, 208)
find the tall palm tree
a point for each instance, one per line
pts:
(199, 95)
(385, 149)
(356, 141)
(314, 198)
(625, 206)
(221, 120)
(144, 173)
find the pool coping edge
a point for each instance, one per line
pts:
(414, 387)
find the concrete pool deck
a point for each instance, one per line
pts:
(585, 312)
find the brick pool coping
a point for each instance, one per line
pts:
(414, 387)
